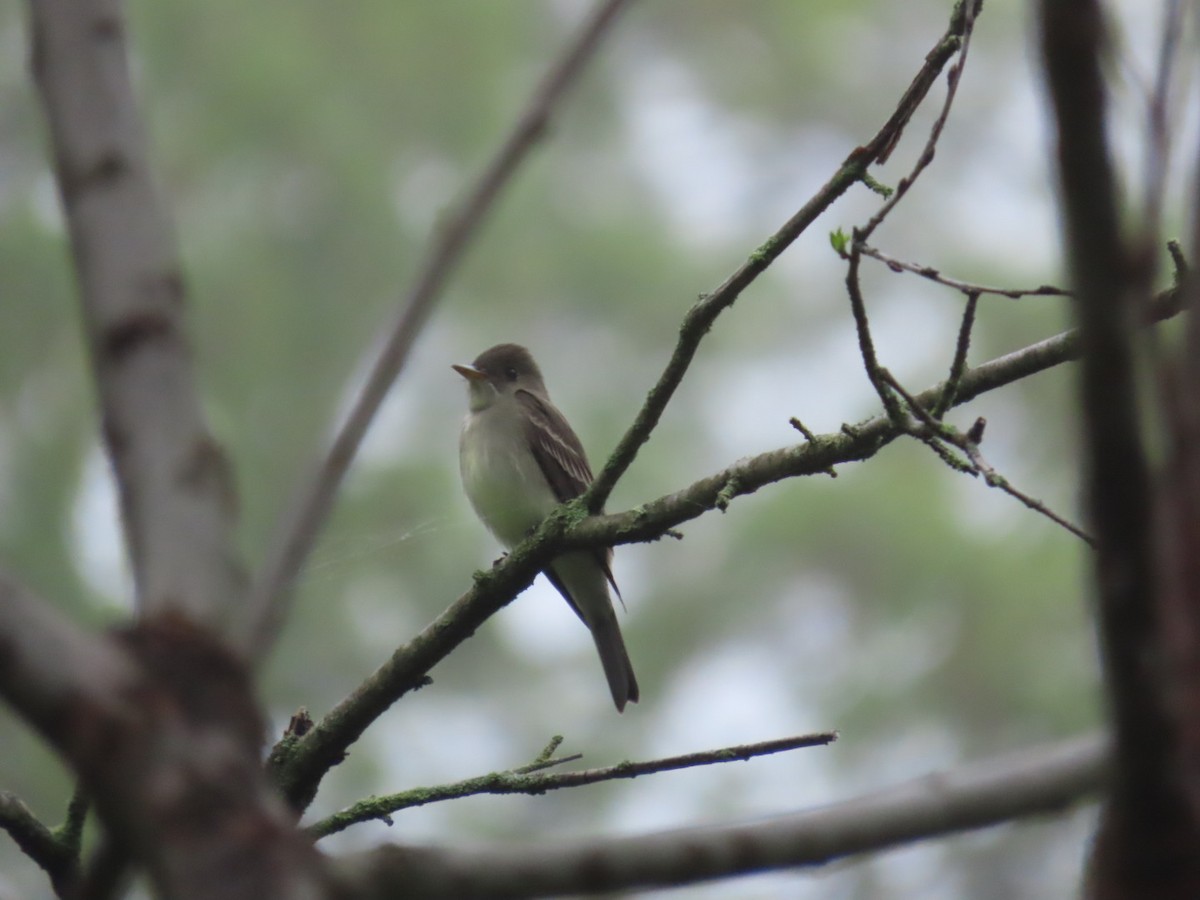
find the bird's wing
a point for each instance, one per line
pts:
(564, 464)
(555, 447)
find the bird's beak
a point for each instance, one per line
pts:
(469, 372)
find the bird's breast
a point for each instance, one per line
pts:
(501, 477)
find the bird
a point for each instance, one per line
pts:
(519, 459)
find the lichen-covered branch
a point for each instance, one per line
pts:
(1033, 782)
(531, 780)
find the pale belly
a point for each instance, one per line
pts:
(505, 487)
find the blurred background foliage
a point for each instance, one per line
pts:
(308, 150)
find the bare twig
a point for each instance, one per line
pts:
(936, 432)
(521, 781)
(965, 287)
(866, 344)
(958, 366)
(298, 530)
(704, 313)
(967, 10)
(977, 795)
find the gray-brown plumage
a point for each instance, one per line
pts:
(519, 460)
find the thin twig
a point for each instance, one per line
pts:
(936, 432)
(704, 313)
(866, 344)
(968, 9)
(965, 287)
(298, 530)
(958, 366)
(519, 781)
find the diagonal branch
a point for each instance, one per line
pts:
(976, 795)
(57, 857)
(700, 318)
(299, 528)
(524, 781)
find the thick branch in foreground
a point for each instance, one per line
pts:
(174, 485)
(301, 764)
(170, 760)
(1034, 782)
(1149, 840)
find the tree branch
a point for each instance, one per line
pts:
(170, 760)
(1149, 839)
(58, 857)
(174, 484)
(974, 796)
(963, 287)
(302, 523)
(704, 313)
(525, 781)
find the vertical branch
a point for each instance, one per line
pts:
(1147, 846)
(173, 482)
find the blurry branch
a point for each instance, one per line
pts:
(1145, 577)
(964, 287)
(1158, 119)
(300, 764)
(155, 746)
(54, 851)
(174, 484)
(1033, 782)
(298, 529)
(525, 780)
(704, 313)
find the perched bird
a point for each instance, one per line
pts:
(519, 460)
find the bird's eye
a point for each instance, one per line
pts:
(510, 373)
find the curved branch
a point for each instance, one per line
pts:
(977, 795)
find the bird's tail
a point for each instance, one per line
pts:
(615, 659)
